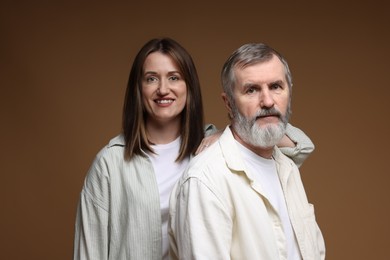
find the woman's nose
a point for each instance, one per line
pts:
(163, 88)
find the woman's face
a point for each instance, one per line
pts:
(164, 91)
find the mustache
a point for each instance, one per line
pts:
(267, 112)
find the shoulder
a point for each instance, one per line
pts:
(202, 168)
(111, 154)
(215, 163)
(97, 180)
(110, 166)
(115, 147)
(211, 156)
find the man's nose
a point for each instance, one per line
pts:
(266, 99)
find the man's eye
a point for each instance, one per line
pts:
(275, 86)
(251, 90)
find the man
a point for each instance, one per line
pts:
(242, 198)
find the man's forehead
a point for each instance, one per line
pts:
(268, 70)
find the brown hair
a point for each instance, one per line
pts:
(134, 114)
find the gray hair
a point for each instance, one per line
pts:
(246, 55)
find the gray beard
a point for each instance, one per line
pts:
(250, 132)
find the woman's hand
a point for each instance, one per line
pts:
(207, 141)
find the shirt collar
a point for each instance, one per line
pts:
(230, 150)
(235, 162)
(118, 140)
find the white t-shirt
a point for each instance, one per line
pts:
(167, 173)
(266, 175)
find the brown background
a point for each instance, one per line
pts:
(64, 69)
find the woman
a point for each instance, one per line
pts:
(123, 208)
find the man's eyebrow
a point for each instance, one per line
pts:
(250, 85)
(279, 82)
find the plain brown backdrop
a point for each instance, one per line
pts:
(63, 74)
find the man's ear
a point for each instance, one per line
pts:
(227, 104)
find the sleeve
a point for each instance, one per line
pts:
(91, 228)
(200, 226)
(303, 148)
(321, 243)
(210, 129)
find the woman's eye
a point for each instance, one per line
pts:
(151, 79)
(174, 78)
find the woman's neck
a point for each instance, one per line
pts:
(162, 133)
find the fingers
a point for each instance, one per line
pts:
(203, 146)
(207, 141)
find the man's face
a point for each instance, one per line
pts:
(261, 103)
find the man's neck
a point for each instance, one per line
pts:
(265, 152)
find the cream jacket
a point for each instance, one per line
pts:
(218, 210)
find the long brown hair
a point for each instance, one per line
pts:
(134, 114)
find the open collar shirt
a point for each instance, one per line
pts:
(119, 214)
(219, 211)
